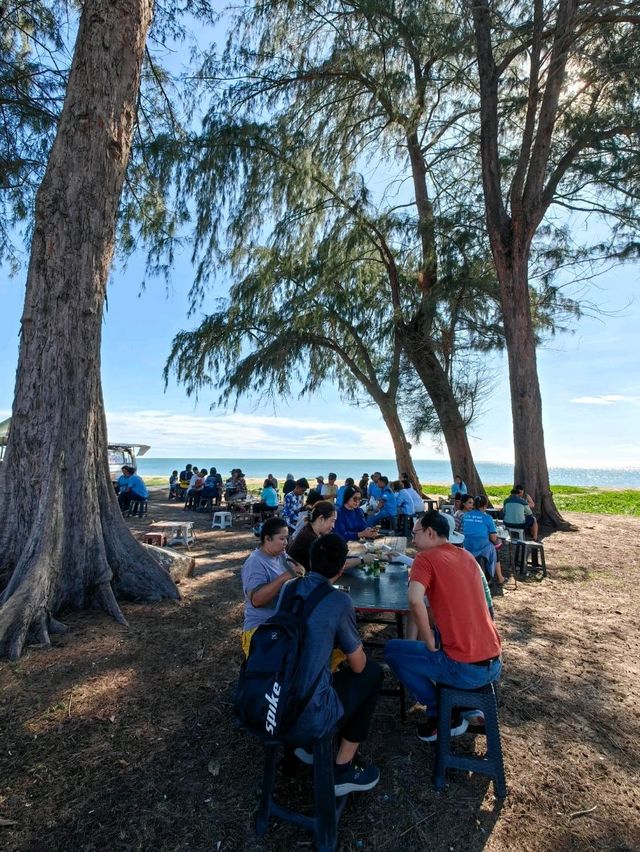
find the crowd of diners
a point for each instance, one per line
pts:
(304, 538)
(451, 633)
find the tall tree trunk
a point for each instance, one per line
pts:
(437, 385)
(401, 446)
(530, 468)
(63, 542)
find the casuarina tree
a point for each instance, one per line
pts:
(323, 111)
(63, 542)
(559, 130)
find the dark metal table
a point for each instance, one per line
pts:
(374, 596)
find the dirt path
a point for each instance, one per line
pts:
(123, 739)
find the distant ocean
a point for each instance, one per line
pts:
(434, 471)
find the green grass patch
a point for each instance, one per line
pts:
(569, 498)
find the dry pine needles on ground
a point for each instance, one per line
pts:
(123, 739)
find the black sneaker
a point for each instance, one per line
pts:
(355, 779)
(428, 731)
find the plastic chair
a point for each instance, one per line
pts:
(327, 808)
(529, 559)
(492, 763)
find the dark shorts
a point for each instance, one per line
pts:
(528, 523)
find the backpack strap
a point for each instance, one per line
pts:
(291, 601)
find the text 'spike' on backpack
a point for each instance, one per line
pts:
(268, 699)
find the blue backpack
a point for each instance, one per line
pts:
(268, 700)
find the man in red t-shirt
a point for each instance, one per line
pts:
(468, 655)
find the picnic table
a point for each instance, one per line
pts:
(376, 596)
(177, 532)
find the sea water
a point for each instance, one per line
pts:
(432, 470)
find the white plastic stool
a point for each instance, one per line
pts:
(221, 521)
(515, 534)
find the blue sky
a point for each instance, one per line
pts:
(590, 384)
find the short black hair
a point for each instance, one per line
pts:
(349, 491)
(270, 527)
(438, 523)
(328, 554)
(384, 479)
(302, 483)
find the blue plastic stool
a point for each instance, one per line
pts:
(327, 808)
(491, 763)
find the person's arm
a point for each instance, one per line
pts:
(530, 500)
(263, 595)
(357, 660)
(420, 615)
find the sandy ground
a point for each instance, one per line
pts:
(123, 739)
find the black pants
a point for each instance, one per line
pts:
(358, 694)
(127, 497)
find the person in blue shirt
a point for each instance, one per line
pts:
(387, 504)
(340, 495)
(458, 487)
(351, 523)
(346, 699)
(480, 537)
(374, 492)
(131, 488)
(403, 499)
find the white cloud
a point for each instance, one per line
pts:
(606, 399)
(175, 434)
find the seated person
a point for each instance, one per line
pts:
(263, 574)
(210, 489)
(374, 491)
(289, 484)
(518, 512)
(480, 537)
(458, 486)
(416, 499)
(293, 502)
(174, 484)
(387, 503)
(468, 655)
(346, 699)
(340, 495)
(461, 503)
(215, 481)
(321, 521)
(273, 482)
(196, 487)
(268, 497)
(351, 524)
(329, 489)
(131, 488)
(363, 485)
(241, 484)
(232, 489)
(404, 501)
(313, 497)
